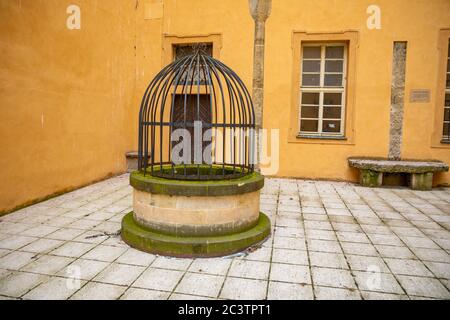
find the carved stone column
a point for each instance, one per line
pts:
(260, 11)
(397, 100)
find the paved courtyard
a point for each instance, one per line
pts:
(331, 240)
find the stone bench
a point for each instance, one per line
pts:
(420, 172)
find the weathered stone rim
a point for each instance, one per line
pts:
(192, 247)
(248, 183)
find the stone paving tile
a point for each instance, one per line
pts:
(158, 279)
(392, 239)
(328, 260)
(47, 264)
(436, 255)
(289, 291)
(335, 278)
(17, 284)
(136, 257)
(394, 252)
(84, 269)
(408, 267)
(289, 232)
(4, 273)
(65, 234)
(72, 249)
(324, 246)
(243, 289)
(371, 295)
(289, 273)
(249, 269)
(211, 266)
(327, 293)
(440, 270)
(104, 253)
(99, 291)
(419, 242)
(362, 263)
(120, 274)
(42, 245)
(290, 256)
(289, 243)
(171, 263)
(362, 249)
(91, 236)
(200, 284)
(424, 287)
(144, 294)
(261, 254)
(181, 296)
(39, 231)
(376, 281)
(53, 289)
(15, 242)
(16, 260)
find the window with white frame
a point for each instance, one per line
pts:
(322, 93)
(446, 131)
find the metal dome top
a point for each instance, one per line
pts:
(196, 122)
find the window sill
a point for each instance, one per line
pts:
(304, 136)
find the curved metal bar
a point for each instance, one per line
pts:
(191, 77)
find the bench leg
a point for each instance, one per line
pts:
(370, 178)
(421, 181)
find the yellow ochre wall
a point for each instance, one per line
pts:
(65, 95)
(69, 98)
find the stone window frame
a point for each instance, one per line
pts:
(446, 138)
(351, 38)
(437, 139)
(170, 41)
(322, 90)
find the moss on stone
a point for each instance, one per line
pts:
(248, 183)
(370, 178)
(210, 246)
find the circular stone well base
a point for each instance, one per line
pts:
(209, 246)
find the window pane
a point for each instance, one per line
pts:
(309, 125)
(311, 52)
(448, 80)
(334, 53)
(332, 112)
(331, 126)
(333, 99)
(310, 112)
(333, 80)
(310, 98)
(311, 66)
(312, 80)
(446, 114)
(334, 65)
(448, 65)
(446, 131)
(447, 100)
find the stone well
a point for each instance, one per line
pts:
(195, 218)
(196, 188)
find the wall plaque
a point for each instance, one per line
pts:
(419, 96)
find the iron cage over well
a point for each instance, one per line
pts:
(196, 122)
